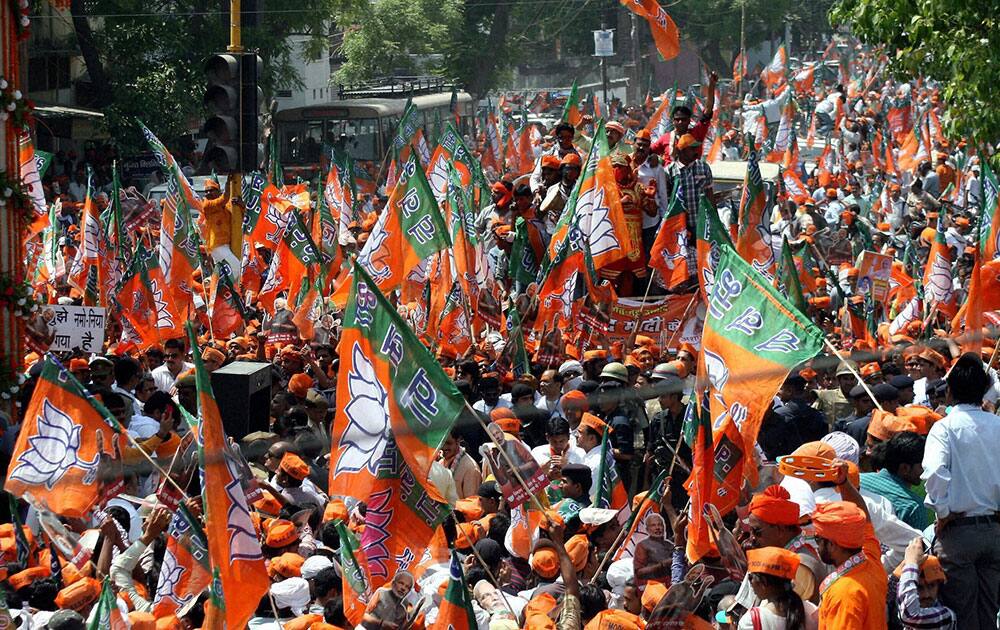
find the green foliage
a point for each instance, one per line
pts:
(955, 42)
(153, 56)
(382, 37)
(714, 26)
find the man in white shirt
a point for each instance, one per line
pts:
(550, 390)
(963, 488)
(128, 373)
(557, 448)
(173, 364)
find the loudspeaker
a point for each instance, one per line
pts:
(243, 391)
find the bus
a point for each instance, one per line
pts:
(362, 123)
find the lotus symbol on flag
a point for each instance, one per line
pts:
(364, 439)
(598, 224)
(374, 258)
(52, 451)
(939, 287)
(170, 578)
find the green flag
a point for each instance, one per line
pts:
(788, 277)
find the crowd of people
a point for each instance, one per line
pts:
(869, 499)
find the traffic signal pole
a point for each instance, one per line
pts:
(235, 181)
(235, 45)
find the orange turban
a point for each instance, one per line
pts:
(299, 384)
(281, 533)
(286, 565)
(574, 399)
(920, 416)
(840, 522)
(774, 561)
(545, 563)
(591, 355)
(775, 507)
(78, 595)
(292, 465)
(78, 364)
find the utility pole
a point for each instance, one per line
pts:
(604, 62)
(636, 59)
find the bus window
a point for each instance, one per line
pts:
(358, 137)
(301, 142)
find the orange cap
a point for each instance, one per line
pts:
(23, 578)
(79, 595)
(591, 421)
(292, 465)
(468, 534)
(816, 449)
(774, 561)
(578, 549)
(571, 159)
(470, 508)
(286, 565)
(281, 533)
(335, 509)
(506, 420)
(545, 563)
(268, 504)
(551, 161)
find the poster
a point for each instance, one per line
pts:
(66, 328)
(873, 273)
(673, 320)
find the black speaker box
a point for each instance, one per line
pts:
(243, 391)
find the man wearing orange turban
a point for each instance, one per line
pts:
(774, 522)
(853, 595)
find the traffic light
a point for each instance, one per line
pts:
(233, 100)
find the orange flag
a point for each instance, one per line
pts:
(233, 547)
(64, 447)
(665, 34)
(938, 287)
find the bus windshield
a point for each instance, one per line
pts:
(303, 142)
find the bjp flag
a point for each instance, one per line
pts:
(148, 313)
(106, 614)
(665, 34)
(938, 286)
(65, 444)
(571, 111)
(753, 241)
(184, 571)
(669, 254)
(455, 611)
(391, 394)
(409, 230)
(701, 483)
(233, 547)
(354, 576)
(753, 337)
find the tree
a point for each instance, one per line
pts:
(951, 41)
(476, 42)
(145, 60)
(714, 26)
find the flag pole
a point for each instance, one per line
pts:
(132, 440)
(482, 563)
(850, 367)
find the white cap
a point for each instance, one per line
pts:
(570, 366)
(313, 565)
